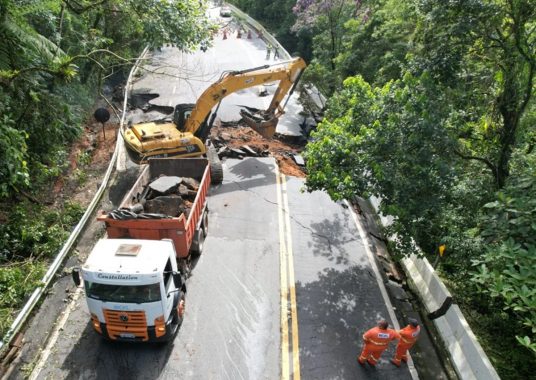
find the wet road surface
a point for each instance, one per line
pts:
(232, 328)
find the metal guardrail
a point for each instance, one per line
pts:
(313, 93)
(51, 272)
(259, 28)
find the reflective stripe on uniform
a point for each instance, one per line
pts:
(377, 343)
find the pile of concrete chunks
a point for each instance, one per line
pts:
(168, 195)
(243, 151)
(220, 142)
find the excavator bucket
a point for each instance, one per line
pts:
(263, 125)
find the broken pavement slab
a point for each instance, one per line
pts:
(165, 184)
(238, 152)
(190, 183)
(249, 151)
(298, 159)
(167, 205)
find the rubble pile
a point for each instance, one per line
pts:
(168, 195)
(163, 197)
(238, 142)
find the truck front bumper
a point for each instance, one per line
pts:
(149, 335)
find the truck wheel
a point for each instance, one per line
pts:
(216, 168)
(198, 242)
(181, 307)
(204, 225)
(178, 315)
(186, 267)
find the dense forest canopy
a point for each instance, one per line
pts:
(55, 56)
(432, 109)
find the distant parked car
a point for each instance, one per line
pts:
(225, 12)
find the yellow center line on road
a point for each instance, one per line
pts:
(288, 287)
(285, 371)
(292, 288)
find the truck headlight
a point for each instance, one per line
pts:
(95, 322)
(160, 326)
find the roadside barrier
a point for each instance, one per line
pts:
(435, 296)
(261, 32)
(56, 264)
(469, 359)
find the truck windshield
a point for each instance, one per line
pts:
(123, 293)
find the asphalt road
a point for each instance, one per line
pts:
(284, 287)
(175, 77)
(233, 326)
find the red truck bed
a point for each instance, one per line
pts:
(187, 234)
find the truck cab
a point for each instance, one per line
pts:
(134, 290)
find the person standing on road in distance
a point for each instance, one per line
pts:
(375, 341)
(268, 50)
(408, 337)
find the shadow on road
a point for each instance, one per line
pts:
(250, 172)
(333, 314)
(330, 239)
(96, 358)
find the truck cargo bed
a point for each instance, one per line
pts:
(182, 230)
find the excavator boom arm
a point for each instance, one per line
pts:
(287, 73)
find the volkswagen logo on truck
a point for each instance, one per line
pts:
(123, 318)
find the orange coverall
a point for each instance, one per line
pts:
(375, 342)
(408, 337)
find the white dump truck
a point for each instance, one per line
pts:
(134, 289)
(135, 279)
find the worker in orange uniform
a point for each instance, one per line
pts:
(408, 337)
(375, 342)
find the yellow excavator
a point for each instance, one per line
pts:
(186, 136)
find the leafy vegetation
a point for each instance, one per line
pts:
(54, 57)
(432, 109)
(30, 237)
(508, 230)
(277, 16)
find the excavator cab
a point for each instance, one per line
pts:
(182, 113)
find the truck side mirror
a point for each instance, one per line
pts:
(76, 276)
(177, 279)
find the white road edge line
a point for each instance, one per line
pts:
(283, 273)
(381, 285)
(55, 335)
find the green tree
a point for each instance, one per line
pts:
(376, 42)
(326, 20)
(485, 51)
(277, 17)
(53, 56)
(505, 271)
(388, 142)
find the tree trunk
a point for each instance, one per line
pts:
(508, 102)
